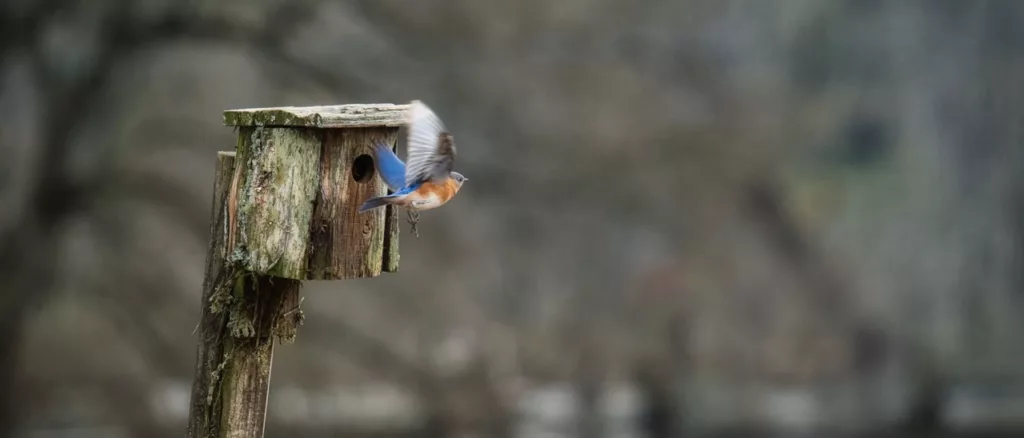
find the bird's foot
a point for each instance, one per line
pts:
(414, 218)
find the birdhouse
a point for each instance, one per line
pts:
(300, 176)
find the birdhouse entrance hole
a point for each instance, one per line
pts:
(362, 168)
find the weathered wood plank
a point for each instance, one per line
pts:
(331, 116)
(277, 188)
(346, 243)
(204, 414)
(391, 232)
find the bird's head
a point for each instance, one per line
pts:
(458, 178)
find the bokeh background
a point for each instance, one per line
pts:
(684, 217)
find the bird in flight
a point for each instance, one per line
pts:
(428, 181)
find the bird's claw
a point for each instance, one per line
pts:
(413, 218)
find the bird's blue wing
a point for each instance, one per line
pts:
(390, 167)
(431, 147)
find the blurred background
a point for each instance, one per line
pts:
(684, 217)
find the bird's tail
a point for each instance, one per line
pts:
(373, 203)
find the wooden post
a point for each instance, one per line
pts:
(284, 210)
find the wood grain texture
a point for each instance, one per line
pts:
(204, 415)
(391, 233)
(277, 188)
(344, 242)
(330, 116)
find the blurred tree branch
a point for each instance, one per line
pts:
(28, 249)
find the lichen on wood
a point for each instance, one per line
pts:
(329, 116)
(243, 313)
(204, 415)
(286, 326)
(276, 191)
(263, 311)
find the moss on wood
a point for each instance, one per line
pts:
(277, 188)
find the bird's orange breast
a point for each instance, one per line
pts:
(443, 191)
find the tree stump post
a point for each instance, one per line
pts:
(285, 209)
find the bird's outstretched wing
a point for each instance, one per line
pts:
(431, 147)
(390, 167)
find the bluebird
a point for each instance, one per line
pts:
(428, 181)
